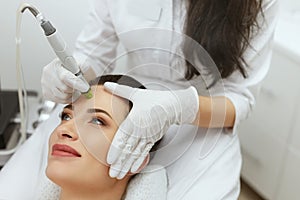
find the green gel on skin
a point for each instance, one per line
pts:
(88, 94)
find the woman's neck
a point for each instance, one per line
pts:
(113, 193)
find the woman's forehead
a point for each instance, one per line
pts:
(105, 100)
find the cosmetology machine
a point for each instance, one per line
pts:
(21, 111)
(10, 120)
(8, 111)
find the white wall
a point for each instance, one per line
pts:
(68, 16)
(291, 5)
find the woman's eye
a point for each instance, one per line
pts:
(97, 121)
(65, 117)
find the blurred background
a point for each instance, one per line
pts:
(67, 16)
(270, 139)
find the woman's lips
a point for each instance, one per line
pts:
(63, 150)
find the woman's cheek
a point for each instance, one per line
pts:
(97, 142)
(51, 140)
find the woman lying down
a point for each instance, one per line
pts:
(79, 145)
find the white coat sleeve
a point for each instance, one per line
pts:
(240, 91)
(97, 43)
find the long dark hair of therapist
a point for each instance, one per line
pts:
(223, 28)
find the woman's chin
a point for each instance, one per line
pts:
(58, 172)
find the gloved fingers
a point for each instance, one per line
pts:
(120, 90)
(127, 166)
(60, 85)
(115, 150)
(65, 88)
(58, 79)
(75, 96)
(63, 92)
(77, 84)
(143, 165)
(137, 164)
(58, 94)
(114, 170)
(50, 79)
(87, 69)
(71, 80)
(119, 141)
(121, 160)
(131, 159)
(53, 95)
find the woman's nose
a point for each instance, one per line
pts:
(67, 131)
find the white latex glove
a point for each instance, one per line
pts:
(60, 85)
(152, 113)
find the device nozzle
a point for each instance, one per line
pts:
(32, 9)
(88, 94)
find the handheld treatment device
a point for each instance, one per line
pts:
(58, 44)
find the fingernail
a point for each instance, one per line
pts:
(113, 173)
(110, 85)
(110, 159)
(122, 175)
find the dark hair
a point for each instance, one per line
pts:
(117, 78)
(223, 28)
(120, 79)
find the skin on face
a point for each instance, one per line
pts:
(92, 122)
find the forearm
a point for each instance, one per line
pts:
(215, 112)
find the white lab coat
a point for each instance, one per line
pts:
(203, 163)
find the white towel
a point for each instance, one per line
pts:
(150, 184)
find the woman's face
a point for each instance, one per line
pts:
(78, 146)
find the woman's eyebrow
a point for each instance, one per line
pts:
(69, 106)
(95, 110)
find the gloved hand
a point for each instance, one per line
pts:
(152, 113)
(60, 85)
